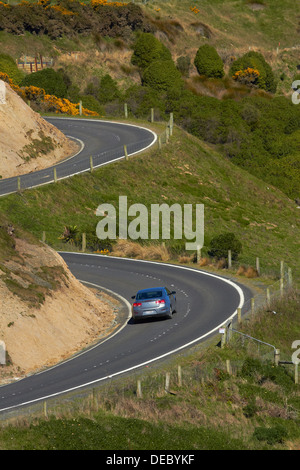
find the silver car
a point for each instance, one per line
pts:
(153, 302)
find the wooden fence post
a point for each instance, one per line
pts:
(277, 357)
(257, 266)
(229, 259)
(167, 387)
(139, 389)
(125, 152)
(268, 298)
(179, 376)
(159, 142)
(239, 314)
(171, 124)
(83, 245)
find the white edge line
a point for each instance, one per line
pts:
(96, 166)
(137, 366)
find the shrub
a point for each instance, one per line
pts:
(91, 103)
(276, 434)
(148, 49)
(108, 90)
(208, 62)
(220, 245)
(162, 75)
(255, 61)
(9, 66)
(51, 81)
(184, 64)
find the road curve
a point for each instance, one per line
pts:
(102, 140)
(204, 300)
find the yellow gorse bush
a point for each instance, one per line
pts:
(96, 3)
(246, 73)
(195, 10)
(58, 105)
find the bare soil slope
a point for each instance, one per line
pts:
(27, 141)
(46, 315)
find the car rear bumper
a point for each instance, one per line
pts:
(150, 314)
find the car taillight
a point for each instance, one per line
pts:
(160, 301)
(137, 304)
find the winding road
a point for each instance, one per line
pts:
(205, 301)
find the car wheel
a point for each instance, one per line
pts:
(170, 314)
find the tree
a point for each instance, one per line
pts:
(51, 81)
(148, 49)
(162, 75)
(108, 90)
(256, 61)
(208, 62)
(220, 245)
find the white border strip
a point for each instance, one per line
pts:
(137, 366)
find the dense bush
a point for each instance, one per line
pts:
(69, 18)
(51, 81)
(208, 62)
(220, 245)
(148, 49)
(162, 75)
(108, 90)
(256, 61)
(141, 99)
(273, 435)
(89, 102)
(9, 66)
(183, 64)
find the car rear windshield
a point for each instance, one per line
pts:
(149, 295)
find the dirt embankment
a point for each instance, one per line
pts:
(46, 314)
(27, 141)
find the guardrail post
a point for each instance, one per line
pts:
(91, 164)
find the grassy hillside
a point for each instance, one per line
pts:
(186, 171)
